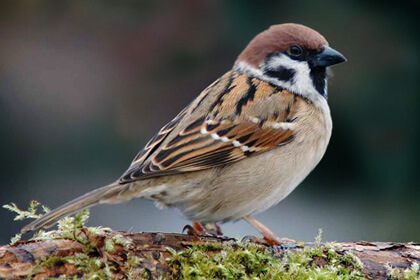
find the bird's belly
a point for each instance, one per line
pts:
(273, 176)
(243, 188)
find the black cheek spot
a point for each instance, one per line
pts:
(282, 74)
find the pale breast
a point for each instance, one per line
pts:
(257, 183)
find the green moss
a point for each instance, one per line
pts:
(89, 262)
(31, 212)
(412, 273)
(205, 261)
(117, 239)
(249, 261)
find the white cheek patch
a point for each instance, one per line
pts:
(301, 82)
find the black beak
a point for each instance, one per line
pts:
(327, 57)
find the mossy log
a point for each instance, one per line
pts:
(127, 255)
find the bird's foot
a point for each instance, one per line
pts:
(269, 237)
(190, 231)
(268, 241)
(288, 241)
(271, 242)
(196, 229)
(208, 230)
(214, 229)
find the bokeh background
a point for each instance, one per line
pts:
(85, 84)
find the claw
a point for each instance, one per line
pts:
(256, 240)
(275, 245)
(209, 230)
(248, 239)
(196, 229)
(190, 230)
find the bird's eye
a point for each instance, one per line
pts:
(295, 51)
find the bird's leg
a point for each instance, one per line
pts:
(269, 236)
(196, 229)
(214, 229)
(209, 229)
(218, 229)
(199, 228)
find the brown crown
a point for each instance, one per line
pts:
(279, 38)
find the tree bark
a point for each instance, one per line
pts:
(20, 260)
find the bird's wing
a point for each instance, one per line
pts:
(236, 117)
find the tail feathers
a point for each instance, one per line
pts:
(113, 193)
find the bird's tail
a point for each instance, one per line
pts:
(113, 193)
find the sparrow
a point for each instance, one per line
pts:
(245, 143)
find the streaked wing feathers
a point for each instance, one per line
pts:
(261, 118)
(211, 144)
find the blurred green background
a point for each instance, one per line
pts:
(85, 84)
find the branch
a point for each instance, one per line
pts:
(106, 254)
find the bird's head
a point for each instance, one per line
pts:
(291, 56)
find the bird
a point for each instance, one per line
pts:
(242, 145)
